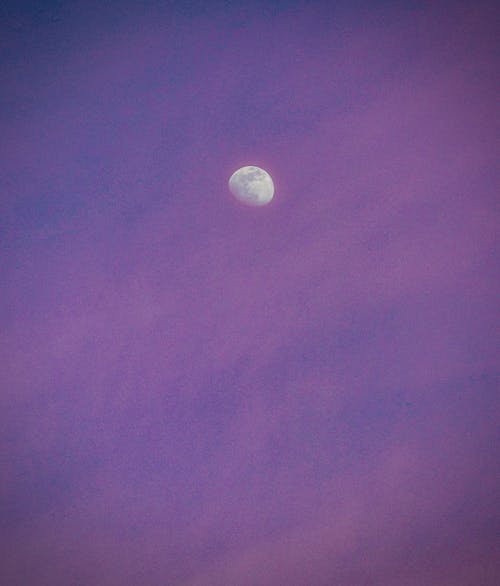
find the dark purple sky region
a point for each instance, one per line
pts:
(200, 393)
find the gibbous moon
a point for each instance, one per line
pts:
(252, 185)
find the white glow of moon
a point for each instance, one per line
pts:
(252, 185)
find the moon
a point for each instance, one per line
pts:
(252, 185)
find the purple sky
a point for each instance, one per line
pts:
(200, 393)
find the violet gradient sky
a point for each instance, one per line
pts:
(200, 393)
